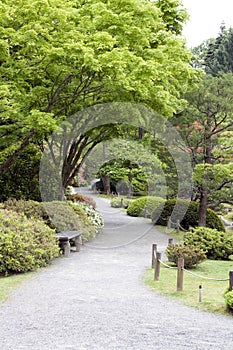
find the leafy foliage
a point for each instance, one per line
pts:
(207, 128)
(192, 255)
(25, 244)
(228, 296)
(94, 217)
(190, 219)
(144, 206)
(59, 57)
(61, 218)
(21, 179)
(217, 245)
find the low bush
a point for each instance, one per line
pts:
(144, 206)
(77, 197)
(228, 296)
(25, 244)
(31, 209)
(217, 245)
(187, 211)
(192, 255)
(94, 217)
(59, 215)
(65, 217)
(119, 202)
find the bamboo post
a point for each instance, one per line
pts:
(153, 260)
(180, 275)
(231, 280)
(157, 266)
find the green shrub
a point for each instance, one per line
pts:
(145, 206)
(191, 254)
(217, 245)
(65, 217)
(25, 244)
(62, 216)
(93, 216)
(190, 219)
(228, 296)
(30, 209)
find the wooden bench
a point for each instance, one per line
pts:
(65, 237)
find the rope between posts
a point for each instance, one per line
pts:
(170, 267)
(206, 278)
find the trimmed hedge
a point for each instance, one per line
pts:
(217, 245)
(25, 244)
(63, 217)
(190, 219)
(145, 206)
(192, 255)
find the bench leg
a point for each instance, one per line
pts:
(66, 248)
(78, 243)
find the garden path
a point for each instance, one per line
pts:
(95, 300)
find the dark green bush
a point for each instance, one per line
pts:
(216, 244)
(190, 219)
(228, 296)
(145, 206)
(192, 255)
(21, 180)
(25, 244)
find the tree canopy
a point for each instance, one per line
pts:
(59, 57)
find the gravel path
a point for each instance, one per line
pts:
(95, 300)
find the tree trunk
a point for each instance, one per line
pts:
(106, 183)
(203, 207)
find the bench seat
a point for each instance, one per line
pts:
(65, 237)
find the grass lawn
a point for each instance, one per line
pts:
(9, 283)
(212, 291)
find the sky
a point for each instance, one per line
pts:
(206, 17)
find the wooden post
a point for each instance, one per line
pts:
(178, 226)
(153, 260)
(157, 266)
(122, 203)
(170, 241)
(180, 274)
(231, 280)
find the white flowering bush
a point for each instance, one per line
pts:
(93, 215)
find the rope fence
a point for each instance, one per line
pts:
(157, 262)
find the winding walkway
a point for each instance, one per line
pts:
(94, 300)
